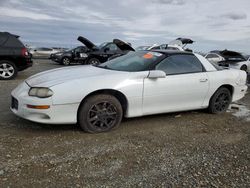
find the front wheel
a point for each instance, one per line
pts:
(94, 61)
(8, 70)
(220, 101)
(100, 113)
(66, 61)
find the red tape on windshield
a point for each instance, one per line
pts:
(148, 56)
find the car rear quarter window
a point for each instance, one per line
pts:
(211, 56)
(3, 39)
(13, 42)
(156, 48)
(180, 64)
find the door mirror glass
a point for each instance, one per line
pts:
(156, 74)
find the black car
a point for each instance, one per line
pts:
(91, 53)
(76, 55)
(14, 56)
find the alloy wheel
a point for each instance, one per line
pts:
(222, 102)
(94, 62)
(102, 115)
(6, 70)
(66, 61)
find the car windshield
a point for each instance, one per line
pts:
(133, 61)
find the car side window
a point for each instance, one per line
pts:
(112, 47)
(212, 56)
(172, 48)
(43, 49)
(79, 50)
(180, 64)
(156, 48)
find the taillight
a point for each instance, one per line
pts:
(25, 52)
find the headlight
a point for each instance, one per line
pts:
(40, 92)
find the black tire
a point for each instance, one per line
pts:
(244, 68)
(220, 101)
(8, 70)
(66, 61)
(93, 61)
(100, 113)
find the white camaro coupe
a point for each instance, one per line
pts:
(137, 84)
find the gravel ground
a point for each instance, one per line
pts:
(189, 149)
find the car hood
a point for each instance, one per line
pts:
(86, 42)
(61, 75)
(123, 45)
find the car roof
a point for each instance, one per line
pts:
(7, 34)
(173, 52)
(10, 40)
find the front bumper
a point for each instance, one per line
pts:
(55, 58)
(56, 114)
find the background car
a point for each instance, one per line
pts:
(101, 53)
(247, 57)
(136, 84)
(14, 56)
(230, 59)
(44, 52)
(91, 53)
(178, 44)
(75, 55)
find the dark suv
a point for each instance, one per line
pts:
(14, 56)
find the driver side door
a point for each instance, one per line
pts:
(184, 88)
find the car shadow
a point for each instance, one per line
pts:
(25, 125)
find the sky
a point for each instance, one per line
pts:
(213, 24)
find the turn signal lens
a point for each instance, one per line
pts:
(41, 107)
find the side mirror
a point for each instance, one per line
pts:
(156, 74)
(106, 49)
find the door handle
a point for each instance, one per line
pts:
(203, 80)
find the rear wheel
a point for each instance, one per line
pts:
(220, 101)
(8, 70)
(66, 61)
(100, 113)
(94, 61)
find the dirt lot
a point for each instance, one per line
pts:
(191, 149)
